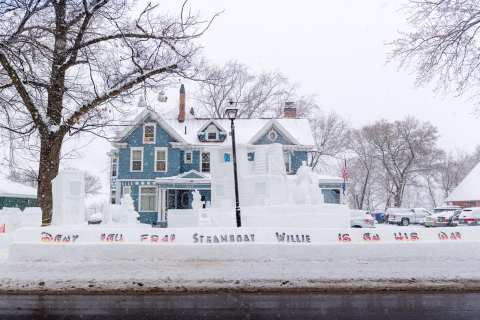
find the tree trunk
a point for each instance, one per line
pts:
(397, 199)
(50, 150)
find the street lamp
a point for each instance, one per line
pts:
(231, 113)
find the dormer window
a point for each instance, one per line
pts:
(149, 133)
(212, 136)
(212, 133)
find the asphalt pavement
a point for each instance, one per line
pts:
(391, 306)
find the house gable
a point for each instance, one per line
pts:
(149, 116)
(273, 132)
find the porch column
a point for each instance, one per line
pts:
(162, 204)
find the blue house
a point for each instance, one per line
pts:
(160, 160)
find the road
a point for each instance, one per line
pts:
(243, 306)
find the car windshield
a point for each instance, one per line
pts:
(440, 210)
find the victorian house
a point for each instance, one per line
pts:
(160, 160)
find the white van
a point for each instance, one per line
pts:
(470, 216)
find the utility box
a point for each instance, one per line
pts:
(68, 190)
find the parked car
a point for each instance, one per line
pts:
(404, 216)
(379, 216)
(361, 219)
(470, 216)
(446, 216)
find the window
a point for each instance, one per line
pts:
(212, 136)
(205, 161)
(114, 166)
(187, 157)
(288, 161)
(251, 156)
(126, 190)
(226, 157)
(161, 155)
(113, 197)
(136, 159)
(149, 133)
(272, 135)
(212, 133)
(148, 199)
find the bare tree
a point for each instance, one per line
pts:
(67, 67)
(403, 148)
(330, 132)
(443, 42)
(452, 169)
(362, 168)
(256, 95)
(93, 184)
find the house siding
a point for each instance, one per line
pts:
(136, 140)
(195, 165)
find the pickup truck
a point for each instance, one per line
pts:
(404, 216)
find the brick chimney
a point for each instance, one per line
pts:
(289, 110)
(181, 104)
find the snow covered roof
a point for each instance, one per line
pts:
(469, 188)
(246, 130)
(12, 189)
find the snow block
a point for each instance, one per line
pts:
(104, 243)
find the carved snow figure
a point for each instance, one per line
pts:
(128, 210)
(197, 200)
(203, 219)
(68, 189)
(303, 185)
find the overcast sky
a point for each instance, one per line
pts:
(335, 50)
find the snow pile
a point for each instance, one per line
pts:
(9, 188)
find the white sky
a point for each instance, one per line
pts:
(333, 49)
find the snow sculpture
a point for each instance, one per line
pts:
(128, 210)
(68, 195)
(197, 200)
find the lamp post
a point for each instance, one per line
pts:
(231, 113)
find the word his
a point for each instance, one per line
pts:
(413, 236)
(223, 238)
(155, 238)
(283, 237)
(65, 238)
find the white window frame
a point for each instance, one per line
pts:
(201, 161)
(154, 132)
(185, 157)
(131, 158)
(140, 209)
(166, 159)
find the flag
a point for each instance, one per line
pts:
(344, 176)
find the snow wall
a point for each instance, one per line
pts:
(293, 216)
(256, 244)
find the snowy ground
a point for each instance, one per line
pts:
(425, 266)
